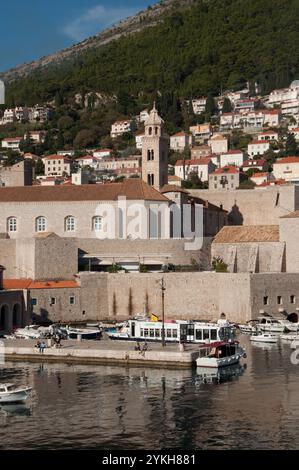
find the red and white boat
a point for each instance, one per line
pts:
(220, 354)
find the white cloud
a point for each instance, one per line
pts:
(94, 20)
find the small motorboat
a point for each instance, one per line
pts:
(10, 393)
(83, 333)
(263, 337)
(290, 337)
(247, 329)
(220, 354)
(27, 333)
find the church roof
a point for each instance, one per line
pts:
(132, 189)
(247, 234)
(154, 118)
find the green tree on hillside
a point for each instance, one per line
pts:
(291, 145)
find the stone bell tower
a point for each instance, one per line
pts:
(155, 151)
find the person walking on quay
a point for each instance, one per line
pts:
(42, 347)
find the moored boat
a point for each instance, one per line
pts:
(175, 331)
(290, 337)
(83, 333)
(9, 393)
(220, 354)
(263, 337)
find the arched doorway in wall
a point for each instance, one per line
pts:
(16, 316)
(4, 318)
(293, 317)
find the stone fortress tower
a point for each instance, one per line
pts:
(155, 151)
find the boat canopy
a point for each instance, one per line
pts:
(215, 344)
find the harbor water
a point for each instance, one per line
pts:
(107, 407)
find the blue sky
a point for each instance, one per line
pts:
(30, 29)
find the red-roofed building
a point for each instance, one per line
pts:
(138, 139)
(203, 167)
(258, 147)
(119, 128)
(232, 157)
(102, 153)
(11, 143)
(227, 178)
(181, 141)
(272, 117)
(259, 164)
(88, 160)
(260, 177)
(269, 136)
(287, 169)
(57, 165)
(295, 132)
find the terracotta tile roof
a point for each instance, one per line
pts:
(246, 234)
(282, 161)
(233, 152)
(199, 161)
(270, 111)
(226, 169)
(274, 183)
(12, 139)
(254, 163)
(16, 284)
(172, 188)
(132, 189)
(218, 137)
(180, 134)
(57, 157)
(174, 178)
(257, 142)
(53, 285)
(259, 175)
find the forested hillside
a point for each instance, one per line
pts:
(213, 45)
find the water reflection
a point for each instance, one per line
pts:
(207, 375)
(103, 407)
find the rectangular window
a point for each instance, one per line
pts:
(141, 331)
(33, 301)
(72, 300)
(213, 334)
(52, 300)
(206, 334)
(199, 335)
(168, 333)
(292, 299)
(279, 299)
(145, 332)
(152, 333)
(174, 333)
(266, 300)
(157, 333)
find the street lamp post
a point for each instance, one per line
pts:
(163, 288)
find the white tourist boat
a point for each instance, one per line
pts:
(175, 331)
(9, 393)
(220, 354)
(264, 337)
